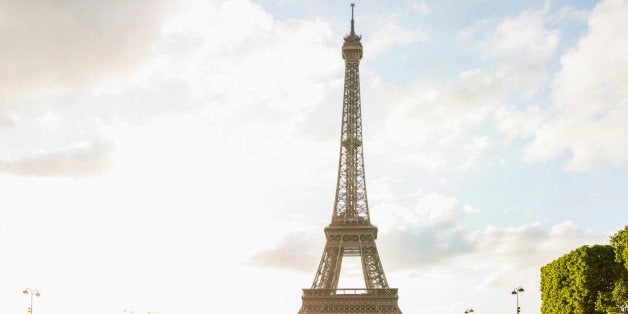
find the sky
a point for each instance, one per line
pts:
(180, 156)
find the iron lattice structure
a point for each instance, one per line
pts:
(350, 232)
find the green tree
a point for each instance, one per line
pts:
(619, 241)
(577, 281)
(617, 300)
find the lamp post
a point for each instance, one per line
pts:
(516, 292)
(31, 292)
(467, 311)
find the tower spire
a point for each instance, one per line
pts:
(352, 22)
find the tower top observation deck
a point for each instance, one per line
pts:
(352, 48)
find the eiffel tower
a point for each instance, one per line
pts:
(350, 232)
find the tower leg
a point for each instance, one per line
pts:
(329, 268)
(372, 267)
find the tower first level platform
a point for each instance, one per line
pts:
(383, 301)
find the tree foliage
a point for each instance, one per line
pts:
(619, 241)
(576, 281)
(590, 279)
(619, 296)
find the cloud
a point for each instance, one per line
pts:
(511, 208)
(429, 122)
(590, 97)
(49, 141)
(474, 149)
(420, 8)
(6, 120)
(529, 245)
(426, 230)
(296, 251)
(202, 61)
(421, 247)
(58, 43)
(420, 232)
(423, 231)
(523, 44)
(500, 250)
(389, 35)
(569, 12)
(519, 124)
(85, 159)
(524, 249)
(524, 37)
(439, 209)
(400, 209)
(419, 229)
(489, 263)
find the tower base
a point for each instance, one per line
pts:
(345, 301)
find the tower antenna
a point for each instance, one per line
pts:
(352, 28)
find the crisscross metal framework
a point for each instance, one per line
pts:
(350, 232)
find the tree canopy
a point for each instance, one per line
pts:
(589, 279)
(619, 241)
(572, 283)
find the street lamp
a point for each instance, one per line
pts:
(29, 291)
(467, 311)
(516, 292)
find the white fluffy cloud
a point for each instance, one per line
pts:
(86, 159)
(201, 61)
(424, 230)
(417, 230)
(519, 124)
(525, 37)
(390, 34)
(529, 246)
(421, 8)
(57, 43)
(296, 251)
(216, 102)
(522, 44)
(418, 208)
(590, 97)
(429, 123)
